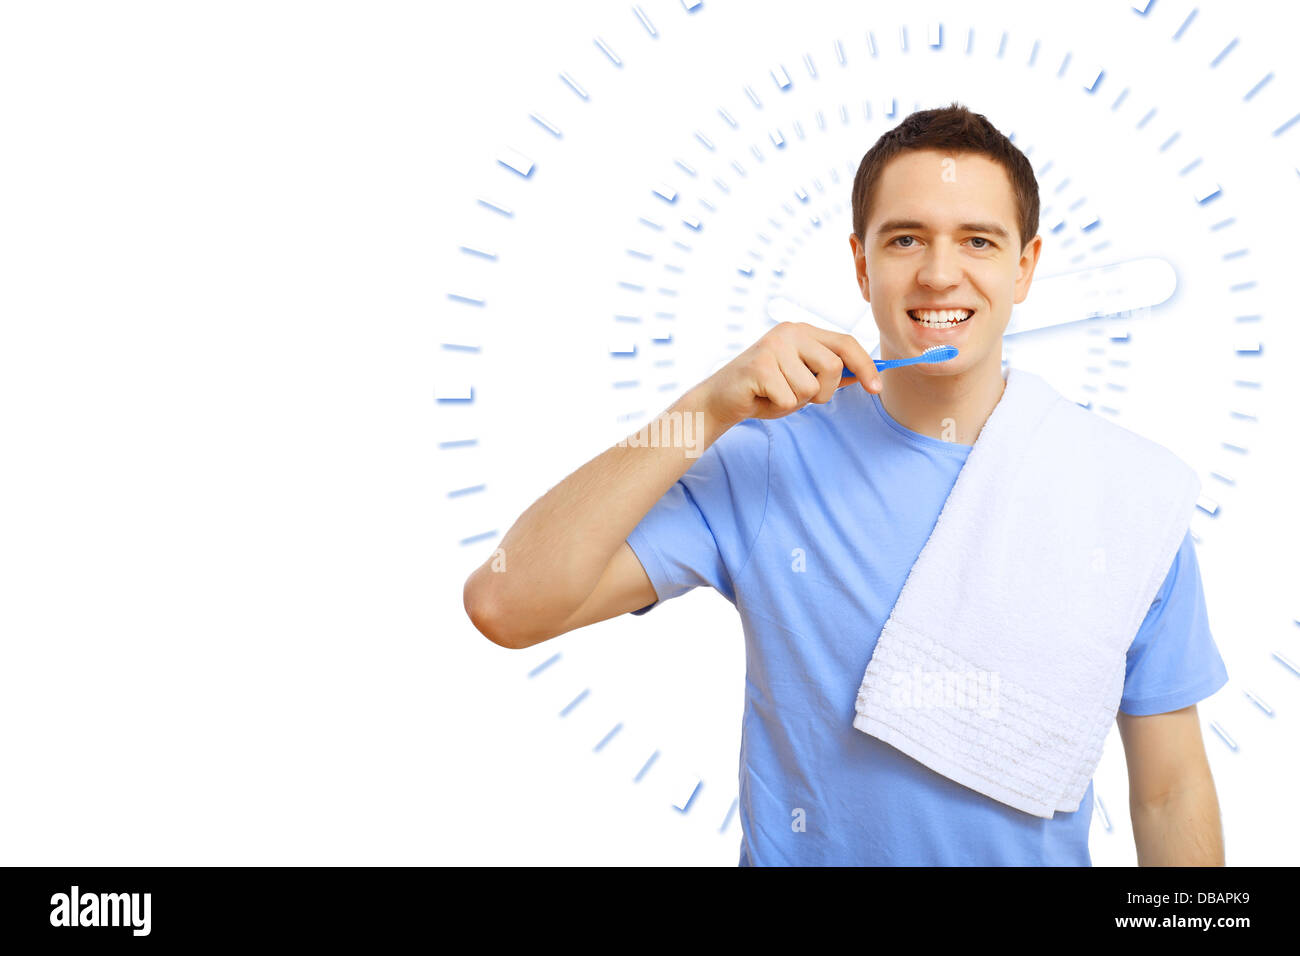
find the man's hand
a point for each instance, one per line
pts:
(792, 365)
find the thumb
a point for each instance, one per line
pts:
(872, 384)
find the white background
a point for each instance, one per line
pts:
(232, 629)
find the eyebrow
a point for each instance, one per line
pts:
(992, 228)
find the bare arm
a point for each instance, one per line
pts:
(565, 562)
(539, 582)
(1172, 800)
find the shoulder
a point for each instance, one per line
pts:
(843, 412)
(748, 440)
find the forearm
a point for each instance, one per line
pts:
(1184, 830)
(554, 554)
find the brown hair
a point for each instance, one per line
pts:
(953, 128)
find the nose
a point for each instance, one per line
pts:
(940, 267)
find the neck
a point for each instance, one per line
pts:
(947, 407)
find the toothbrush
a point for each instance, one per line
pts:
(935, 353)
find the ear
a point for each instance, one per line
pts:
(1025, 275)
(860, 266)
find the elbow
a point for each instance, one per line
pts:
(484, 616)
(498, 619)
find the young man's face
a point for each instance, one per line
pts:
(933, 240)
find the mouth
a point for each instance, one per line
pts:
(940, 318)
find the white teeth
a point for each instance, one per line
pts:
(940, 318)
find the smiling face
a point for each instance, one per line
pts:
(943, 233)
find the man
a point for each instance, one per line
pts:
(808, 507)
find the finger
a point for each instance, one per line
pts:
(825, 364)
(856, 359)
(851, 379)
(800, 377)
(773, 386)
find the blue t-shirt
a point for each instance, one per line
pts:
(809, 525)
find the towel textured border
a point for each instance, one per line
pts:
(1002, 663)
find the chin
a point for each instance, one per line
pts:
(953, 366)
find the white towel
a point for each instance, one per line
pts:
(1021, 607)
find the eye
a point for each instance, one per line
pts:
(987, 243)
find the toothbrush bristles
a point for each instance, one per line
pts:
(947, 352)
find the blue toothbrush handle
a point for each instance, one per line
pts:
(882, 364)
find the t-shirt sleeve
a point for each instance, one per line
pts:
(1173, 662)
(702, 530)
